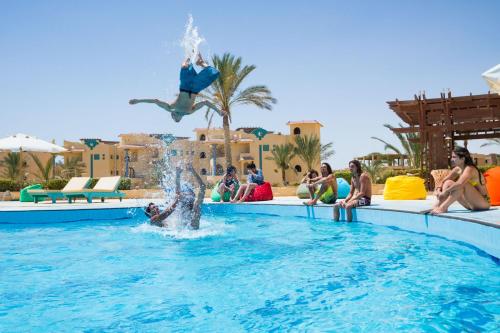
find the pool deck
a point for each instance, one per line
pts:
(490, 217)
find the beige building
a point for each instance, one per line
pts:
(207, 151)
(31, 170)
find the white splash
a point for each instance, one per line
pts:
(191, 40)
(175, 230)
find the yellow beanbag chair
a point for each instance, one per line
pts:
(404, 188)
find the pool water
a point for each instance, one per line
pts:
(242, 273)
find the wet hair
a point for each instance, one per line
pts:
(251, 166)
(147, 211)
(358, 166)
(310, 173)
(465, 154)
(230, 169)
(328, 167)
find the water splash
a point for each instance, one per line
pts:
(191, 40)
(176, 230)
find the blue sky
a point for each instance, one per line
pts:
(68, 68)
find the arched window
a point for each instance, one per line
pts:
(298, 168)
(203, 137)
(203, 172)
(296, 131)
(203, 155)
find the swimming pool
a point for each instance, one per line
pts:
(242, 273)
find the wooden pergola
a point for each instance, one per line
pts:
(442, 121)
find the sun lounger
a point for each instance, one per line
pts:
(75, 184)
(106, 187)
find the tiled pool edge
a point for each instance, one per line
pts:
(482, 235)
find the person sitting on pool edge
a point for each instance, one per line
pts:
(326, 181)
(192, 84)
(360, 193)
(254, 178)
(464, 184)
(229, 182)
(308, 179)
(190, 207)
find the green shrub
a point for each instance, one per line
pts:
(9, 185)
(125, 184)
(484, 168)
(346, 174)
(93, 181)
(56, 184)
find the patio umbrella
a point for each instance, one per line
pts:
(492, 77)
(26, 143)
(23, 142)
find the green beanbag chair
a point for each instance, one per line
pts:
(24, 196)
(215, 195)
(302, 191)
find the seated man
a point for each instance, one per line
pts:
(254, 178)
(327, 180)
(190, 207)
(360, 194)
(191, 85)
(229, 182)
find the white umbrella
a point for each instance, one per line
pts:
(23, 142)
(492, 77)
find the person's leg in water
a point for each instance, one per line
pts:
(195, 222)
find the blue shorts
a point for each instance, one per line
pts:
(195, 82)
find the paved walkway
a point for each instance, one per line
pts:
(457, 211)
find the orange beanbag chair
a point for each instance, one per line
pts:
(492, 177)
(261, 193)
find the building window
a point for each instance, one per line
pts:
(203, 155)
(203, 137)
(97, 157)
(265, 148)
(203, 172)
(192, 152)
(111, 172)
(296, 131)
(485, 161)
(298, 168)
(117, 157)
(103, 156)
(111, 156)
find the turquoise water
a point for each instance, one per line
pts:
(243, 273)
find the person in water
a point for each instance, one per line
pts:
(360, 193)
(464, 184)
(191, 85)
(254, 178)
(325, 181)
(190, 204)
(229, 183)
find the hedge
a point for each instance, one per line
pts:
(55, 184)
(9, 185)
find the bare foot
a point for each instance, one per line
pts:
(309, 203)
(437, 211)
(200, 61)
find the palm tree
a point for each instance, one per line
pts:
(308, 149)
(72, 167)
(14, 166)
(43, 170)
(225, 93)
(492, 142)
(327, 151)
(410, 143)
(374, 169)
(282, 157)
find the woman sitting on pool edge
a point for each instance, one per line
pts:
(464, 184)
(326, 181)
(254, 178)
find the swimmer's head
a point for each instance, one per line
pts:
(151, 210)
(176, 116)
